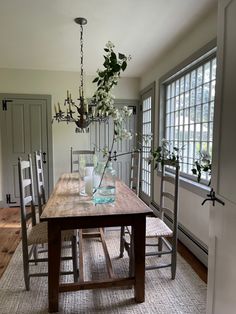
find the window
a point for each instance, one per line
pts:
(146, 129)
(189, 110)
(146, 146)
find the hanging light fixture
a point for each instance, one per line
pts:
(84, 113)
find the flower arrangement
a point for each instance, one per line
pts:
(203, 164)
(106, 80)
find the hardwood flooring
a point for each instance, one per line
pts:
(9, 235)
(10, 238)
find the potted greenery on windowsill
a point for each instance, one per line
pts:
(203, 164)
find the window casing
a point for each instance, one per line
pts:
(189, 110)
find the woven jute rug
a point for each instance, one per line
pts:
(185, 294)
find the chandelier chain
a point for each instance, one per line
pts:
(81, 61)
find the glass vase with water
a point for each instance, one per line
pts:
(104, 179)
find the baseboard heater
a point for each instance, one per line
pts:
(195, 245)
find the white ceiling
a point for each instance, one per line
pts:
(41, 34)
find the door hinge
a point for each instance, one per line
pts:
(4, 104)
(8, 199)
(134, 109)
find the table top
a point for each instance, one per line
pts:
(66, 201)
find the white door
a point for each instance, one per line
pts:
(222, 247)
(24, 129)
(101, 135)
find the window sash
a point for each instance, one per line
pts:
(189, 111)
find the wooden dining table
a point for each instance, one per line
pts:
(68, 209)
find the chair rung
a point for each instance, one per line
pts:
(169, 179)
(26, 182)
(156, 267)
(38, 260)
(168, 195)
(158, 253)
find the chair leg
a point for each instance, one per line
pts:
(26, 266)
(173, 257)
(35, 253)
(160, 245)
(131, 255)
(74, 257)
(122, 244)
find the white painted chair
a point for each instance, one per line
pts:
(39, 181)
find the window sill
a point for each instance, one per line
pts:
(192, 186)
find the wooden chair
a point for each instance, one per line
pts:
(39, 181)
(135, 171)
(35, 234)
(134, 185)
(157, 232)
(81, 158)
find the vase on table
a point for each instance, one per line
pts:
(104, 179)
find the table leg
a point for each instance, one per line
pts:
(139, 231)
(54, 257)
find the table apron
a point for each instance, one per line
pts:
(95, 222)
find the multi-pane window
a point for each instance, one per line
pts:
(190, 110)
(146, 146)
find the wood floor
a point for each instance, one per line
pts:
(9, 235)
(10, 238)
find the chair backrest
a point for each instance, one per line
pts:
(135, 171)
(26, 185)
(173, 195)
(81, 158)
(39, 180)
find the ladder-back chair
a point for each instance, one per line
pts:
(40, 181)
(134, 185)
(34, 234)
(157, 232)
(156, 228)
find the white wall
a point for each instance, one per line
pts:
(56, 83)
(192, 215)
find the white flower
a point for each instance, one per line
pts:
(110, 45)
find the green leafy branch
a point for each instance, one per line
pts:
(203, 164)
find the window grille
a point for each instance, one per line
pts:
(189, 111)
(146, 146)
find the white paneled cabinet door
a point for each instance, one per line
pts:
(222, 244)
(23, 131)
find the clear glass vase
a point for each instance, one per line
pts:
(104, 179)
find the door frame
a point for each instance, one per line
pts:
(48, 100)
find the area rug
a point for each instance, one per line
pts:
(185, 294)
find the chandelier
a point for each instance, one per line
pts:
(81, 113)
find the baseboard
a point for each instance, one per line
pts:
(194, 244)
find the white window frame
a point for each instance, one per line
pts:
(208, 52)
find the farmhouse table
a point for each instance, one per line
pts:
(67, 209)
